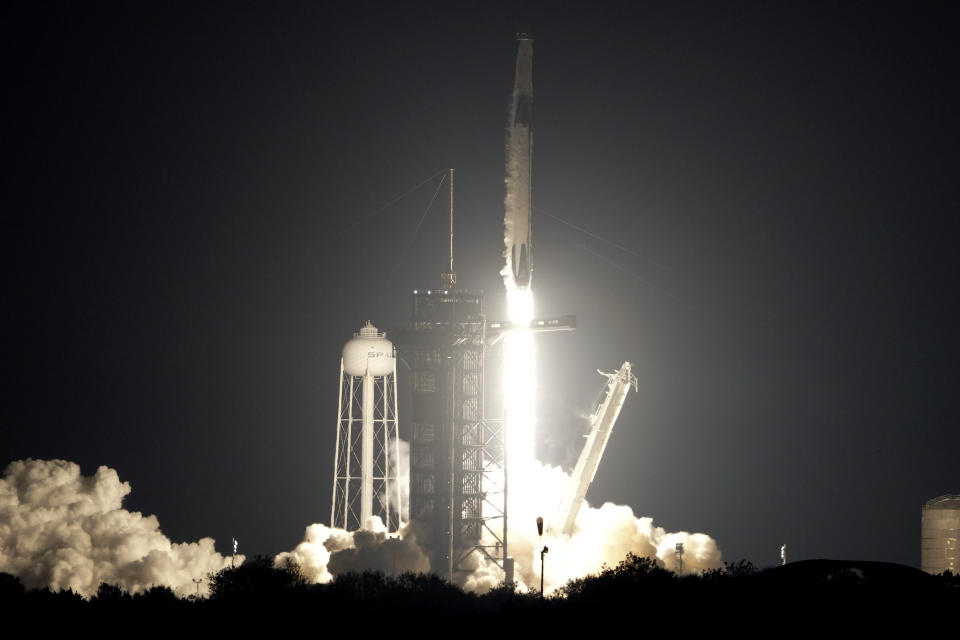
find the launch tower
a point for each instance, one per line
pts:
(457, 458)
(454, 453)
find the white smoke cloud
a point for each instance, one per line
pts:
(64, 530)
(602, 536)
(326, 551)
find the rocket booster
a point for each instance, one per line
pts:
(518, 254)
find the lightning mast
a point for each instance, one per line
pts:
(601, 425)
(449, 279)
(456, 456)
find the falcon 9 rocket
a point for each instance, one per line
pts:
(519, 259)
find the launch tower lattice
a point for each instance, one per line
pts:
(457, 458)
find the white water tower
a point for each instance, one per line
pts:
(365, 481)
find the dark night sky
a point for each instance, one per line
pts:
(185, 248)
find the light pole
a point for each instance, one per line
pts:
(543, 552)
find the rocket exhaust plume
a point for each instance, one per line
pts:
(64, 530)
(518, 354)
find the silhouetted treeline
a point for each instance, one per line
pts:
(807, 594)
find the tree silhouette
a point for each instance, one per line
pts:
(257, 577)
(11, 589)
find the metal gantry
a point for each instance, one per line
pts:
(483, 510)
(457, 457)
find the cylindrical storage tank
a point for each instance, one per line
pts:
(939, 534)
(369, 353)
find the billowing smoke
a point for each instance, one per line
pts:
(602, 536)
(64, 530)
(326, 551)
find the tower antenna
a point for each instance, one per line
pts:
(449, 278)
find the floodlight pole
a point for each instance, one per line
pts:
(543, 552)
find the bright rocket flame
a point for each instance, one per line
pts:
(524, 472)
(520, 306)
(519, 393)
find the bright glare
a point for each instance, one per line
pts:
(519, 393)
(520, 307)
